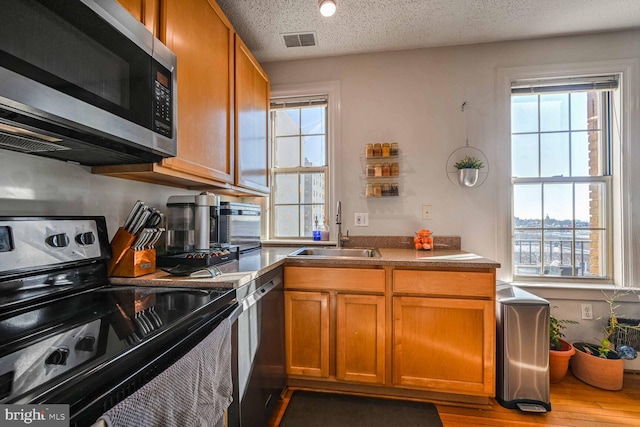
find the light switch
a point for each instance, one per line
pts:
(362, 219)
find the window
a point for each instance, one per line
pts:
(561, 167)
(300, 165)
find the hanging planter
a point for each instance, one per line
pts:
(468, 177)
(466, 165)
(468, 171)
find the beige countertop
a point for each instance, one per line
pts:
(253, 264)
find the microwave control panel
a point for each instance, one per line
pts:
(162, 101)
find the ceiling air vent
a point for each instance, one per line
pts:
(299, 39)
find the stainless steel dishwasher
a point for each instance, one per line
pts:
(258, 359)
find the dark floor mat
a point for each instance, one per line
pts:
(311, 409)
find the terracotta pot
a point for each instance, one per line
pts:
(597, 371)
(559, 361)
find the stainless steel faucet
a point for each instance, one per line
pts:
(341, 238)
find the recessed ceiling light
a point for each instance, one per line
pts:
(327, 7)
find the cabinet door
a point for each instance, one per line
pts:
(307, 333)
(202, 38)
(444, 344)
(360, 350)
(145, 11)
(252, 121)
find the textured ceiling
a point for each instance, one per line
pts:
(382, 25)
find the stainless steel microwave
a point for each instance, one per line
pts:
(84, 81)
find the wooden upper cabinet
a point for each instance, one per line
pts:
(202, 38)
(145, 11)
(223, 102)
(251, 120)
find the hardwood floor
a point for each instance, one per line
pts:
(573, 403)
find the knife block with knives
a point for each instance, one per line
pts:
(133, 250)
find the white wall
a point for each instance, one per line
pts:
(414, 97)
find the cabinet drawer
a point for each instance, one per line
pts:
(334, 279)
(455, 283)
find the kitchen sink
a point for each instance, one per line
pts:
(336, 253)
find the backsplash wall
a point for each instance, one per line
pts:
(31, 185)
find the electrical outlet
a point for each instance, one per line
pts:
(587, 311)
(362, 219)
(426, 211)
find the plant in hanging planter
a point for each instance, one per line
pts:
(469, 162)
(468, 169)
(598, 364)
(560, 351)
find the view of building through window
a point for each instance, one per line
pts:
(300, 166)
(561, 184)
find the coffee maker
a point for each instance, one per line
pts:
(192, 222)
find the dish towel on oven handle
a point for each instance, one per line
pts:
(193, 392)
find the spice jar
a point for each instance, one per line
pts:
(370, 190)
(386, 189)
(395, 169)
(394, 191)
(394, 149)
(386, 169)
(378, 169)
(371, 170)
(377, 190)
(386, 149)
(368, 150)
(377, 150)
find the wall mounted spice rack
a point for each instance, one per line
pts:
(382, 170)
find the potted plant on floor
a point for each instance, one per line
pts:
(468, 170)
(598, 364)
(560, 351)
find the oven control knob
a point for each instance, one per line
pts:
(86, 344)
(58, 240)
(58, 357)
(87, 238)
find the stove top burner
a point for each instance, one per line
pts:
(67, 336)
(76, 332)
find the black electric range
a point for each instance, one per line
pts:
(68, 337)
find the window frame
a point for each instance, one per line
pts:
(626, 229)
(604, 177)
(332, 90)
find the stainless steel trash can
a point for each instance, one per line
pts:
(522, 377)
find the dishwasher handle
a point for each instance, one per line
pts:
(251, 299)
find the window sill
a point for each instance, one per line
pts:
(577, 291)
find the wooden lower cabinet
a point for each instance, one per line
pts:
(360, 343)
(306, 320)
(400, 332)
(444, 344)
